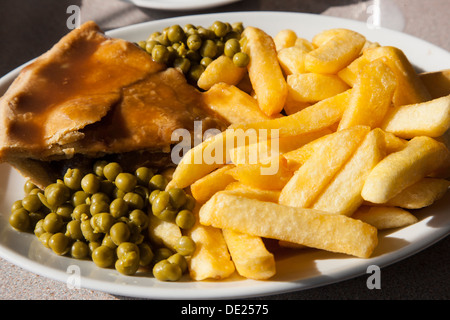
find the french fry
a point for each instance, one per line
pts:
(249, 255)
(271, 174)
(211, 259)
(385, 217)
(421, 194)
(393, 143)
(371, 96)
(304, 44)
(309, 227)
(410, 89)
(317, 117)
(220, 70)
(399, 170)
(163, 233)
(314, 87)
(437, 83)
(240, 189)
(292, 60)
(264, 70)
(233, 104)
(335, 53)
(343, 193)
(431, 118)
(292, 106)
(318, 170)
(205, 187)
(284, 39)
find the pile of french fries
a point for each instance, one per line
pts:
(363, 140)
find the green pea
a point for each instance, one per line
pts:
(153, 195)
(16, 205)
(145, 254)
(194, 42)
(79, 197)
(98, 207)
(143, 175)
(102, 222)
(179, 260)
(111, 170)
(125, 248)
(206, 61)
(28, 186)
(56, 194)
(161, 254)
(59, 243)
(232, 47)
(176, 33)
(90, 183)
(118, 208)
(92, 246)
(241, 59)
(38, 228)
(107, 187)
(80, 210)
(185, 246)
(154, 36)
(119, 232)
(31, 203)
(65, 211)
(194, 56)
(20, 220)
(167, 271)
(88, 231)
(134, 200)
(99, 197)
(126, 181)
(160, 53)
(205, 33)
(208, 49)
(190, 203)
(44, 238)
(53, 223)
(79, 250)
(157, 182)
(139, 218)
(220, 29)
(183, 64)
(185, 219)
(107, 241)
(177, 197)
(195, 72)
(188, 27)
(238, 27)
(160, 203)
(73, 230)
(168, 214)
(128, 264)
(103, 256)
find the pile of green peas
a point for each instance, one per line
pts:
(192, 48)
(103, 216)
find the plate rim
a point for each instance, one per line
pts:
(348, 273)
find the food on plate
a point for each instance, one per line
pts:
(203, 145)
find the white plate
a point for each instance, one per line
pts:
(178, 5)
(306, 269)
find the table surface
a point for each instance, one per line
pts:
(29, 28)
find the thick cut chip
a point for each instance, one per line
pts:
(336, 52)
(431, 118)
(240, 189)
(204, 188)
(310, 227)
(343, 194)
(284, 39)
(250, 256)
(410, 88)
(371, 96)
(264, 70)
(233, 104)
(421, 194)
(292, 60)
(385, 217)
(221, 70)
(320, 168)
(421, 157)
(163, 233)
(317, 117)
(314, 87)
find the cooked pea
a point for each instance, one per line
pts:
(53, 222)
(220, 29)
(206, 61)
(185, 219)
(168, 214)
(139, 218)
(194, 42)
(161, 254)
(118, 194)
(157, 182)
(100, 197)
(128, 264)
(153, 195)
(154, 36)
(72, 178)
(111, 170)
(45, 237)
(73, 230)
(125, 248)
(208, 49)
(79, 197)
(79, 250)
(143, 175)
(92, 246)
(102, 222)
(195, 72)
(177, 197)
(119, 232)
(193, 55)
(134, 200)
(205, 33)
(107, 241)
(183, 64)
(160, 53)
(126, 181)
(31, 202)
(176, 33)
(80, 210)
(88, 231)
(238, 27)
(99, 206)
(103, 256)
(179, 260)
(39, 229)
(241, 59)
(65, 211)
(160, 203)
(190, 202)
(59, 243)
(20, 220)
(28, 186)
(16, 205)
(232, 47)
(56, 194)
(90, 183)
(185, 246)
(145, 254)
(188, 27)
(167, 271)
(118, 208)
